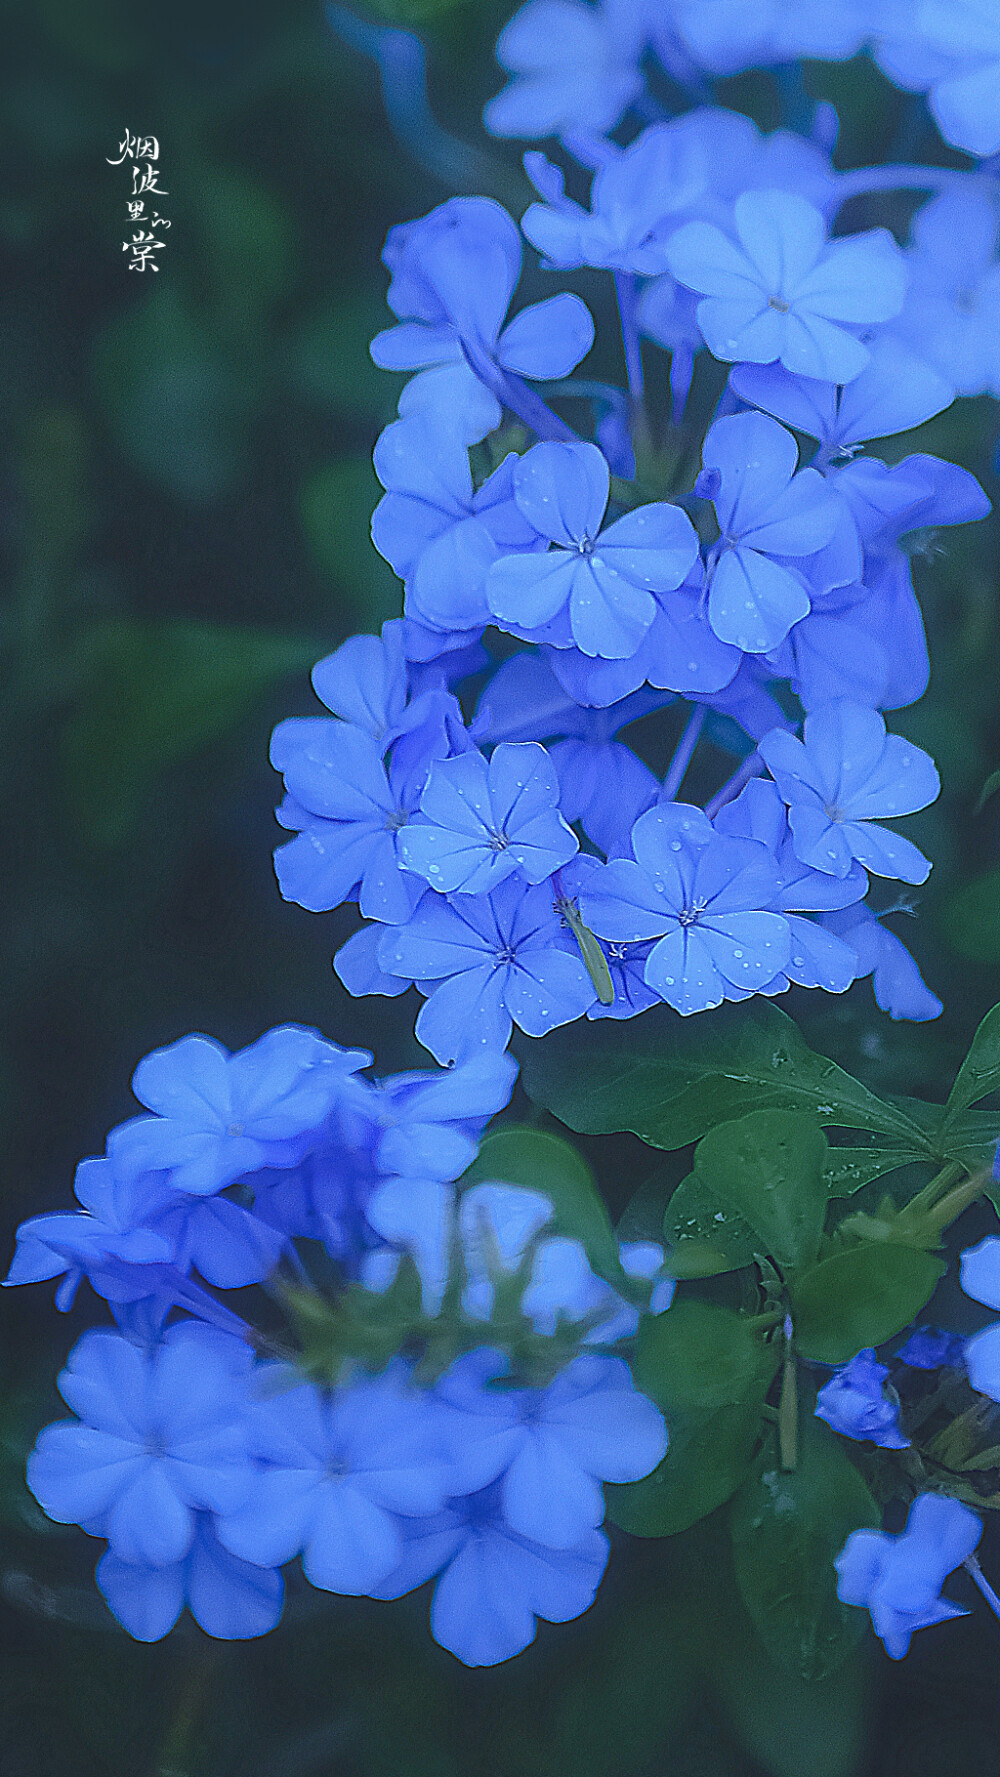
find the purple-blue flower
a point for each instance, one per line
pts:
(218, 1116)
(480, 823)
(844, 775)
(771, 518)
(501, 959)
(159, 1434)
(700, 894)
(334, 1474)
(897, 983)
(228, 1598)
(854, 1402)
(494, 1583)
(598, 583)
(899, 1578)
(931, 1348)
(894, 392)
(575, 67)
(980, 1278)
(431, 1122)
(553, 1446)
(782, 291)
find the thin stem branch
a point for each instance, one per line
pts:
(752, 766)
(896, 178)
(628, 309)
(972, 1566)
(685, 748)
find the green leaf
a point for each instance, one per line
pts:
(849, 1169)
(708, 1371)
(859, 1297)
(154, 692)
(336, 505)
(768, 1167)
(794, 1727)
(707, 1237)
(787, 1527)
(970, 919)
(670, 1080)
(979, 1073)
(546, 1163)
(178, 402)
(990, 788)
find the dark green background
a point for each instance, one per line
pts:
(185, 491)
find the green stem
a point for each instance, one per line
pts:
(788, 1405)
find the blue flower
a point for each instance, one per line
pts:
(493, 1583)
(951, 315)
(553, 1446)
(954, 50)
(228, 1598)
(453, 275)
(899, 1578)
(501, 959)
(898, 985)
(854, 1403)
(438, 535)
(700, 894)
(219, 1116)
(766, 513)
(576, 67)
(335, 1473)
(349, 809)
(894, 392)
(365, 682)
(980, 1279)
(843, 776)
(639, 197)
(432, 1122)
(605, 580)
(159, 1434)
(480, 823)
(818, 957)
(783, 291)
(931, 1348)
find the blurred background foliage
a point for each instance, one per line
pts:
(185, 494)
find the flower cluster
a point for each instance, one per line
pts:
(455, 1413)
(577, 67)
(517, 859)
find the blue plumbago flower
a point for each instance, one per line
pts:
(700, 894)
(366, 682)
(951, 315)
(783, 291)
(493, 1582)
(951, 47)
(159, 1434)
(894, 392)
(228, 1598)
(818, 958)
(899, 1578)
(854, 1402)
(501, 959)
(897, 983)
(349, 810)
(335, 1474)
(843, 775)
(480, 823)
(218, 1116)
(726, 38)
(767, 514)
(453, 275)
(553, 1446)
(575, 67)
(639, 197)
(679, 652)
(980, 1279)
(438, 535)
(602, 580)
(432, 1122)
(931, 1348)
